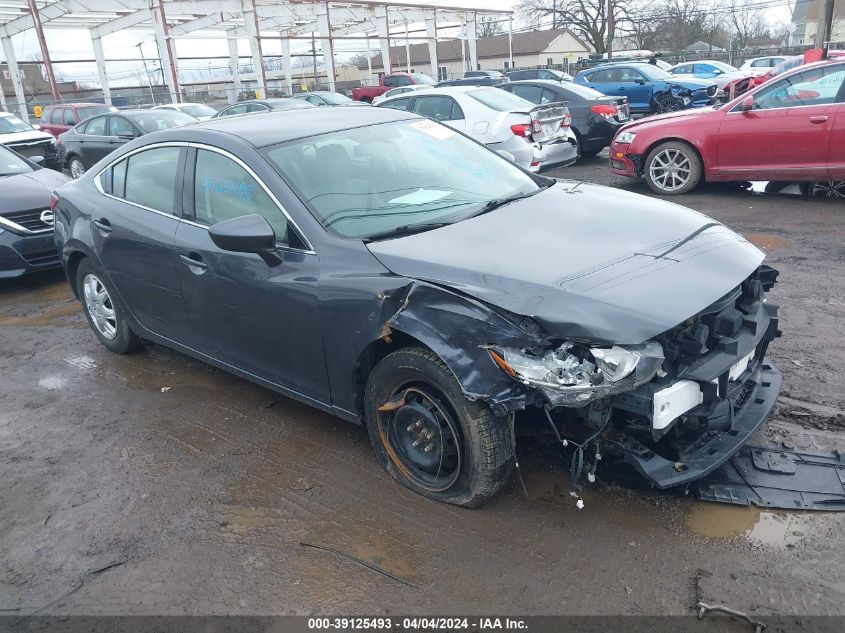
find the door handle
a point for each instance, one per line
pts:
(194, 261)
(103, 226)
(821, 118)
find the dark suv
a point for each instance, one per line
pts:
(59, 118)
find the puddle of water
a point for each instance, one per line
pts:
(52, 382)
(775, 529)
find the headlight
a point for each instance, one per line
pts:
(625, 137)
(575, 374)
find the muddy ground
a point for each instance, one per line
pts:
(152, 483)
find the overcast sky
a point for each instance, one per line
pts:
(75, 44)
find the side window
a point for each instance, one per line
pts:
(761, 63)
(816, 86)
(686, 69)
(530, 93)
(114, 179)
(705, 69)
(235, 109)
(315, 100)
(150, 178)
(256, 107)
(70, 117)
(56, 116)
(628, 75)
(402, 80)
(609, 75)
(224, 190)
(438, 108)
(118, 126)
(390, 82)
(397, 104)
(96, 126)
(550, 97)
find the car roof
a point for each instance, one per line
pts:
(278, 127)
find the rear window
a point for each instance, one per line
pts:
(577, 91)
(499, 100)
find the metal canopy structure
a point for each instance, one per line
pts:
(253, 20)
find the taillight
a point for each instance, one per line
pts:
(521, 129)
(566, 121)
(54, 200)
(605, 110)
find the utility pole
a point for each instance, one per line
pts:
(610, 27)
(314, 57)
(825, 24)
(45, 53)
(147, 72)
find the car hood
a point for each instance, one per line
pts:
(587, 262)
(692, 83)
(29, 191)
(22, 137)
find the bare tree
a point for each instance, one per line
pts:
(586, 18)
(746, 22)
(488, 25)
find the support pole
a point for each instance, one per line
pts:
(251, 24)
(325, 27)
(473, 38)
(610, 27)
(286, 62)
(369, 62)
(383, 36)
(97, 45)
(165, 52)
(824, 28)
(407, 50)
(510, 40)
(14, 73)
(234, 62)
(431, 31)
(45, 52)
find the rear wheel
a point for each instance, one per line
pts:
(825, 189)
(429, 436)
(76, 167)
(104, 314)
(672, 168)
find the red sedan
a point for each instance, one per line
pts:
(789, 129)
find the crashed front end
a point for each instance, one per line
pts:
(673, 408)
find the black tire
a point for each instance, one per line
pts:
(124, 339)
(591, 153)
(484, 442)
(668, 103)
(690, 161)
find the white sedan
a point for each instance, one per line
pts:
(400, 90)
(537, 137)
(199, 111)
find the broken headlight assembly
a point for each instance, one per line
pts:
(574, 374)
(625, 137)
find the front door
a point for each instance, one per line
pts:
(259, 318)
(786, 136)
(94, 141)
(133, 232)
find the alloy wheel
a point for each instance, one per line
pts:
(670, 169)
(670, 104)
(827, 189)
(422, 438)
(76, 168)
(99, 305)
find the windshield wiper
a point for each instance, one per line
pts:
(495, 203)
(405, 229)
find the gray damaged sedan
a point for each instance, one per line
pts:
(389, 270)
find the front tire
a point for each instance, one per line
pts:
(76, 167)
(672, 168)
(824, 189)
(104, 313)
(429, 436)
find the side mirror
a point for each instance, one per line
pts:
(717, 72)
(36, 126)
(747, 104)
(506, 155)
(247, 234)
(38, 160)
(640, 81)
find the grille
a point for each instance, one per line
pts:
(30, 219)
(39, 258)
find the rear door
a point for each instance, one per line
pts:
(134, 231)
(787, 133)
(259, 318)
(440, 108)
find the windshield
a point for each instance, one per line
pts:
(9, 124)
(156, 120)
(654, 73)
(88, 111)
(334, 98)
(422, 78)
(11, 163)
(500, 100)
(375, 179)
(198, 110)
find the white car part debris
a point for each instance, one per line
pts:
(704, 608)
(165, 389)
(579, 504)
(673, 401)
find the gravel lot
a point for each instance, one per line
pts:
(154, 484)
